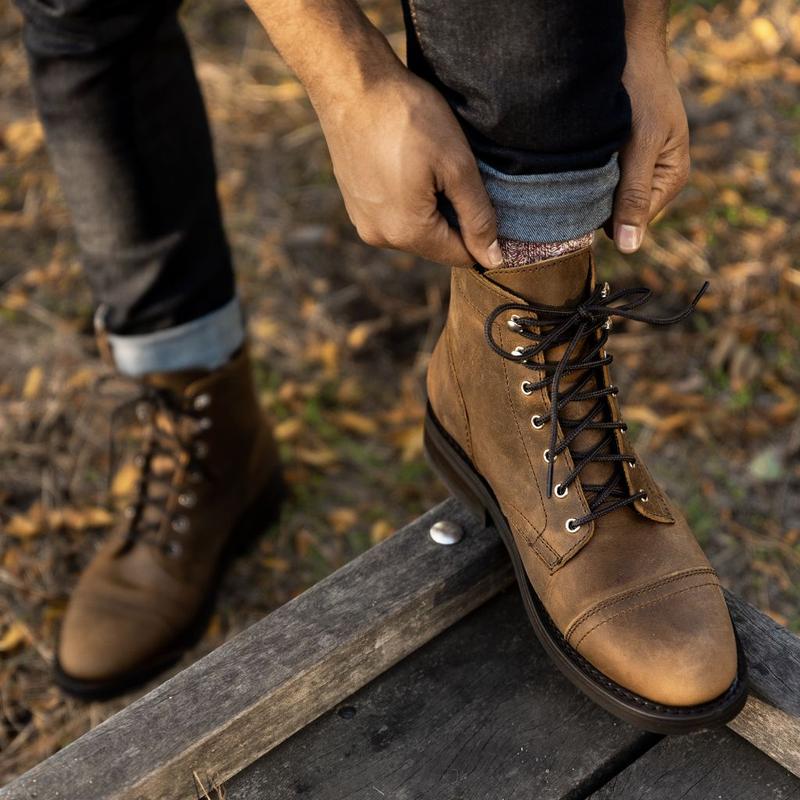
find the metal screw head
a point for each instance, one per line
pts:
(446, 532)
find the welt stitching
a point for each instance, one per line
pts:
(612, 601)
(643, 605)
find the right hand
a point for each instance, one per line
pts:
(393, 147)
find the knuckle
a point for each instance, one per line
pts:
(481, 224)
(370, 236)
(635, 197)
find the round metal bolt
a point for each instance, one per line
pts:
(446, 532)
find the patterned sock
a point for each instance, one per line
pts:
(516, 253)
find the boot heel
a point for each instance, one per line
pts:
(444, 463)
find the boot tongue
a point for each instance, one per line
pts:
(562, 281)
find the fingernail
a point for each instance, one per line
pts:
(495, 254)
(629, 238)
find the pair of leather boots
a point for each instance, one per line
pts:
(523, 425)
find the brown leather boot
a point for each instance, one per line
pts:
(524, 423)
(208, 477)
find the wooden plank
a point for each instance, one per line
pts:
(715, 764)
(771, 718)
(247, 696)
(477, 713)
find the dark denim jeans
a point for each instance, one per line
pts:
(535, 83)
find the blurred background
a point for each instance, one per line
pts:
(342, 334)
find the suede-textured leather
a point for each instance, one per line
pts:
(632, 591)
(136, 598)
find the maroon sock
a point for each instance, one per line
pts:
(516, 253)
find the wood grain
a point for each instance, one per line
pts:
(477, 714)
(713, 764)
(224, 711)
(771, 718)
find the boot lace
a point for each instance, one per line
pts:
(584, 329)
(146, 511)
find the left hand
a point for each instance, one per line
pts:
(654, 164)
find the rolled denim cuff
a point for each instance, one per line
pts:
(552, 207)
(207, 342)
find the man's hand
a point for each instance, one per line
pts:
(393, 139)
(654, 165)
(393, 148)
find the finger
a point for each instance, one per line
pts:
(461, 183)
(670, 176)
(633, 196)
(440, 242)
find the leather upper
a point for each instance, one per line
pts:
(632, 590)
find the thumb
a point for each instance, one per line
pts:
(632, 199)
(463, 187)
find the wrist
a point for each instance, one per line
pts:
(348, 75)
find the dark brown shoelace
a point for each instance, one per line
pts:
(584, 357)
(150, 405)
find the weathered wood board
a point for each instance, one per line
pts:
(222, 713)
(247, 696)
(715, 765)
(477, 714)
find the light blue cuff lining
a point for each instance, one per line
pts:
(207, 342)
(552, 207)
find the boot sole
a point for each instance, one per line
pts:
(457, 472)
(262, 512)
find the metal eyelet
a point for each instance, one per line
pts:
(202, 401)
(200, 449)
(606, 290)
(644, 498)
(538, 423)
(518, 350)
(513, 323)
(181, 524)
(205, 423)
(129, 512)
(607, 324)
(143, 412)
(560, 490)
(187, 499)
(572, 525)
(546, 456)
(173, 549)
(139, 460)
(526, 387)
(632, 465)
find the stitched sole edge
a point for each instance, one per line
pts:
(457, 472)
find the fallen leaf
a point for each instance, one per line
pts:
(357, 423)
(15, 635)
(342, 519)
(288, 429)
(33, 383)
(322, 457)
(380, 530)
